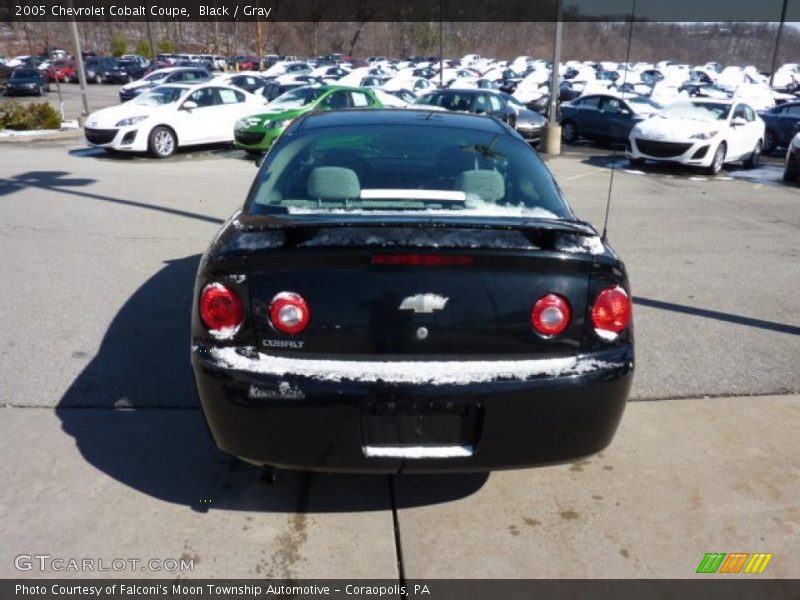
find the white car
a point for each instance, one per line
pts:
(388, 99)
(418, 85)
(287, 67)
(700, 133)
(172, 116)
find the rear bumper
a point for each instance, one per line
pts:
(303, 422)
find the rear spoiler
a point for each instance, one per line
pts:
(253, 223)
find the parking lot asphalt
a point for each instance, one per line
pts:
(108, 453)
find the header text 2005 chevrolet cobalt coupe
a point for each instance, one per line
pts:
(409, 291)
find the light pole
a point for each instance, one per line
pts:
(553, 135)
(81, 71)
(152, 56)
(778, 43)
(441, 44)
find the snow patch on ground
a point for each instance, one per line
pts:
(33, 133)
(404, 236)
(409, 372)
(13, 133)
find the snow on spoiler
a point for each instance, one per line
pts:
(244, 222)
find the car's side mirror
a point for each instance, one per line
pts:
(189, 105)
(738, 121)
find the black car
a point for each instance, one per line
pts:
(603, 117)
(248, 83)
(126, 71)
(704, 90)
(97, 67)
(489, 102)
(188, 75)
(569, 90)
(123, 71)
(273, 89)
(651, 76)
(27, 82)
(782, 124)
(426, 72)
(409, 291)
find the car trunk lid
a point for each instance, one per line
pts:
(418, 290)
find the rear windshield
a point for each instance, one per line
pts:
(405, 168)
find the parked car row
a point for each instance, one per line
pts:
(169, 116)
(692, 129)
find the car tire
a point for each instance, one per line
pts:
(770, 142)
(719, 159)
(755, 156)
(790, 174)
(569, 132)
(162, 142)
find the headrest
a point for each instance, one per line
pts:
(485, 184)
(333, 183)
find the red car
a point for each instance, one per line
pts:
(245, 62)
(62, 70)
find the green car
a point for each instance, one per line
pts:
(257, 133)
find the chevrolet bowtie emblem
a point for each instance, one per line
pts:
(423, 303)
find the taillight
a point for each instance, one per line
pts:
(289, 312)
(550, 315)
(612, 310)
(423, 260)
(220, 309)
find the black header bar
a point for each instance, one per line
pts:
(708, 588)
(397, 10)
